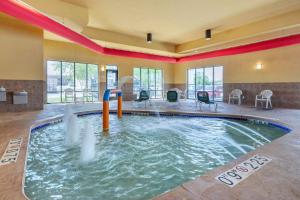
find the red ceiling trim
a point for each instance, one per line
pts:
(31, 16)
(258, 46)
(131, 54)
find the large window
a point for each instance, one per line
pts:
(69, 82)
(148, 79)
(208, 79)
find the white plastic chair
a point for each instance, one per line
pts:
(69, 94)
(87, 95)
(183, 94)
(235, 94)
(264, 96)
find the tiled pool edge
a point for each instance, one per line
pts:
(48, 121)
(270, 121)
(34, 126)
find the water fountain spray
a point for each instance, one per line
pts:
(72, 133)
(88, 143)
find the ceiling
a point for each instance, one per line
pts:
(178, 21)
(178, 26)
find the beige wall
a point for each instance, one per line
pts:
(54, 50)
(279, 65)
(21, 50)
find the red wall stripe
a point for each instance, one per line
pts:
(31, 16)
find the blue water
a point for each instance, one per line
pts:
(141, 157)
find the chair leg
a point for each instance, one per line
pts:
(271, 104)
(216, 107)
(255, 103)
(229, 101)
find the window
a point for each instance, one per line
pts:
(208, 79)
(54, 82)
(150, 80)
(69, 81)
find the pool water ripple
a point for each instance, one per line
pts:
(143, 156)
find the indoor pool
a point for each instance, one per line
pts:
(140, 158)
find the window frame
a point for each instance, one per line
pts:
(148, 84)
(203, 81)
(74, 78)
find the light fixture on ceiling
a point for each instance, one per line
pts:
(149, 37)
(208, 34)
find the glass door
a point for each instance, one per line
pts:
(111, 79)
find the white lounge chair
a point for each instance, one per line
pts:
(69, 95)
(264, 96)
(183, 94)
(235, 94)
(87, 95)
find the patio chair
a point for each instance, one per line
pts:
(203, 97)
(171, 89)
(172, 96)
(87, 94)
(235, 94)
(79, 97)
(264, 96)
(183, 94)
(69, 94)
(143, 96)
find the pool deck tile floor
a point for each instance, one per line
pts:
(279, 179)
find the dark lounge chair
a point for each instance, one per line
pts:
(203, 97)
(172, 96)
(143, 96)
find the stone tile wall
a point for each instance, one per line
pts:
(35, 89)
(285, 95)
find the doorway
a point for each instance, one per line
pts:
(111, 77)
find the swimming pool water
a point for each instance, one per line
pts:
(141, 157)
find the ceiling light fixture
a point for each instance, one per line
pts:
(149, 37)
(208, 34)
